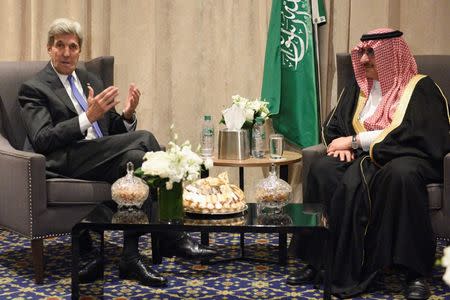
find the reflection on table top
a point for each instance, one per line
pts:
(107, 215)
(289, 157)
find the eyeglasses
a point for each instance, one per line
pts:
(368, 51)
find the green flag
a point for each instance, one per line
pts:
(289, 83)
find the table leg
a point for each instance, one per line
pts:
(204, 238)
(284, 172)
(156, 250)
(328, 267)
(242, 245)
(241, 178)
(75, 263)
(282, 248)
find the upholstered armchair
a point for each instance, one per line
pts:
(32, 204)
(438, 67)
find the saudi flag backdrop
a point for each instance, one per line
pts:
(289, 83)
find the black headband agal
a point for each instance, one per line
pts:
(381, 36)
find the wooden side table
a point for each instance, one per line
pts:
(289, 157)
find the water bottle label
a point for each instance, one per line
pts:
(208, 131)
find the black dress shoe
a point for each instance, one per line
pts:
(187, 247)
(136, 270)
(307, 275)
(417, 288)
(92, 271)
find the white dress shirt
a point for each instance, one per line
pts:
(83, 120)
(367, 137)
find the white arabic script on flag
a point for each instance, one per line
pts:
(295, 32)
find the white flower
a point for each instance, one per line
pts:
(255, 105)
(156, 164)
(446, 263)
(178, 163)
(169, 185)
(240, 101)
(249, 114)
(252, 108)
(208, 163)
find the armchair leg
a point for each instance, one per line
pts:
(37, 252)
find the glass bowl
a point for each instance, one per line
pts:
(272, 191)
(129, 191)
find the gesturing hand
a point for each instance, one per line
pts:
(132, 101)
(100, 104)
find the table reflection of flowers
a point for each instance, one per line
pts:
(167, 170)
(252, 108)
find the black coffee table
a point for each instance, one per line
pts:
(293, 218)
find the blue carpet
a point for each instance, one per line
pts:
(187, 280)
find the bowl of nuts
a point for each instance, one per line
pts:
(129, 191)
(272, 191)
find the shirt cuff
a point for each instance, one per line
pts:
(367, 137)
(84, 122)
(130, 125)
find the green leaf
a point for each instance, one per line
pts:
(155, 181)
(139, 173)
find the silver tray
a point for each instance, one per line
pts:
(216, 214)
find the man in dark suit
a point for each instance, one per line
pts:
(70, 117)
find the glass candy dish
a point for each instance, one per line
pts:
(127, 216)
(272, 192)
(129, 191)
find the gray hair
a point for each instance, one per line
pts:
(64, 26)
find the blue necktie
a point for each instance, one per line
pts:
(83, 104)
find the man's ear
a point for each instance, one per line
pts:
(49, 48)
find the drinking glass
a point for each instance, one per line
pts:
(276, 145)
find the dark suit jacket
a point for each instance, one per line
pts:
(50, 118)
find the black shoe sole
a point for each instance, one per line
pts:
(302, 282)
(132, 276)
(169, 255)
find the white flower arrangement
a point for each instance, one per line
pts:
(252, 108)
(179, 163)
(445, 262)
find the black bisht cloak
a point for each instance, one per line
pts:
(377, 205)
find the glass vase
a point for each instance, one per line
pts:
(171, 204)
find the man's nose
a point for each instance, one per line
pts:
(364, 58)
(66, 51)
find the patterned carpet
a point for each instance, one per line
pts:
(235, 279)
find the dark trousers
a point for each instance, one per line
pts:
(105, 159)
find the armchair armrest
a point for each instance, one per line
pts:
(22, 186)
(310, 154)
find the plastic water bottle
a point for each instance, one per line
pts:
(258, 138)
(207, 144)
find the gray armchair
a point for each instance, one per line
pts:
(31, 204)
(438, 67)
